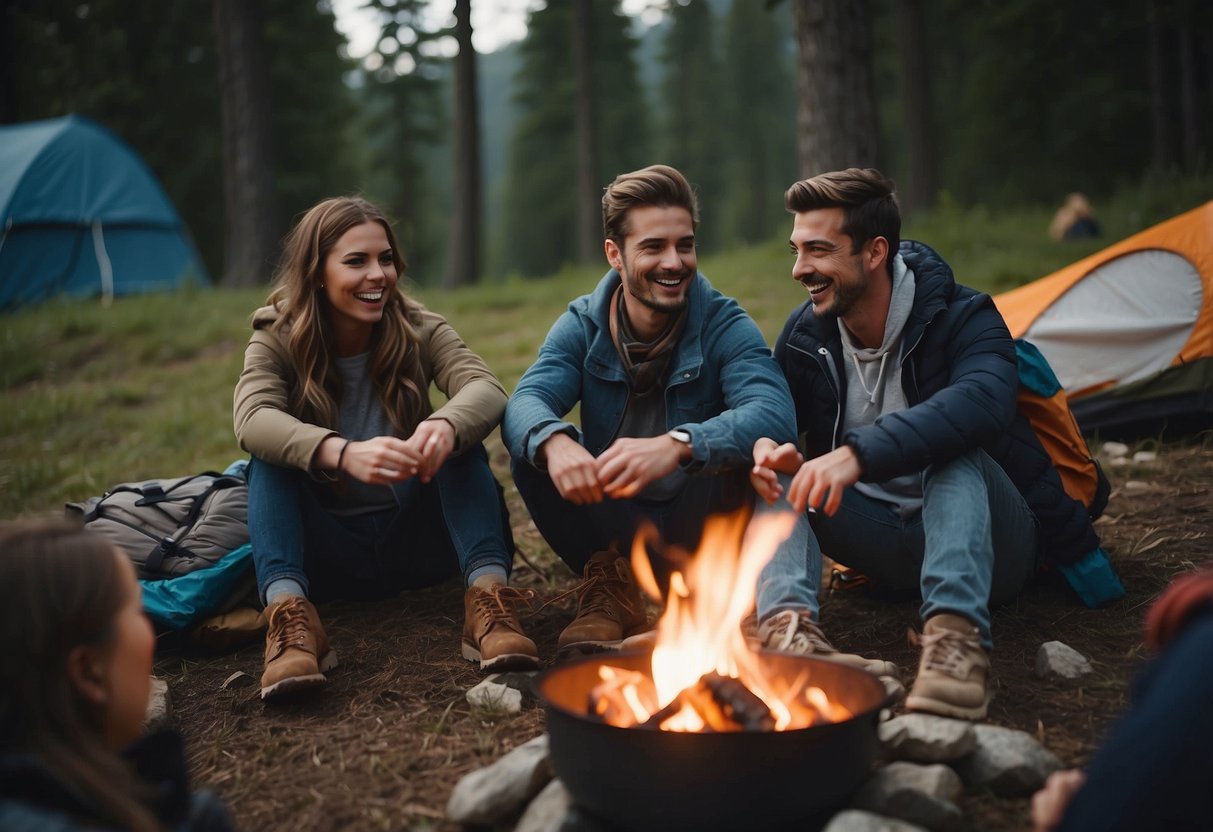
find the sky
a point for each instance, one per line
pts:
(495, 23)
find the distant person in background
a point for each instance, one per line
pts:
(1153, 770)
(75, 673)
(358, 486)
(1074, 220)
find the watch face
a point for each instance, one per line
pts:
(680, 436)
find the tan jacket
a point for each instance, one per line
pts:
(266, 427)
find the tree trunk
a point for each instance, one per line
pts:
(250, 194)
(1161, 158)
(836, 118)
(463, 239)
(1187, 99)
(918, 107)
(589, 196)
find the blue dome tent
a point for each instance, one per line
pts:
(81, 214)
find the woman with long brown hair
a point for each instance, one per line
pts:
(74, 686)
(358, 486)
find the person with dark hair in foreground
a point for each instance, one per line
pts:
(75, 675)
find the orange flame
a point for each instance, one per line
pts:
(700, 632)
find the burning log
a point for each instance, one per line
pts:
(627, 699)
(624, 698)
(737, 704)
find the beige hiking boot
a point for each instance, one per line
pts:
(297, 651)
(953, 672)
(609, 607)
(491, 632)
(793, 631)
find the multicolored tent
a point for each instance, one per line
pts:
(1129, 330)
(81, 214)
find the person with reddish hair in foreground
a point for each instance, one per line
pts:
(1153, 771)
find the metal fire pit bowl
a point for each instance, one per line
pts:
(644, 780)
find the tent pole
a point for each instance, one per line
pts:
(103, 264)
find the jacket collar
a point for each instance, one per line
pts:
(688, 354)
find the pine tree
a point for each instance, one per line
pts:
(538, 232)
(694, 125)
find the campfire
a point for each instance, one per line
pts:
(703, 677)
(702, 732)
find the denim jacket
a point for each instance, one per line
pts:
(724, 388)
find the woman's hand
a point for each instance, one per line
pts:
(431, 443)
(380, 461)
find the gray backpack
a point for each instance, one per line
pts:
(170, 527)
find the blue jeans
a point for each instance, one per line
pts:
(972, 545)
(576, 532)
(454, 524)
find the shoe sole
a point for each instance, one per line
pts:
(294, 684)
(924, 705)
(506, 661)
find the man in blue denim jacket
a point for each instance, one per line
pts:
(675, 384)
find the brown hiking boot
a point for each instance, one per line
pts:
(297, 651)
(491, 632)
(953, 670)
(609, 607)
(793, 631)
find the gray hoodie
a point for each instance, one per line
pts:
(874, 388)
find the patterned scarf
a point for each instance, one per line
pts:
(645, 361)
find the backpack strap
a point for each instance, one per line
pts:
(168, 546)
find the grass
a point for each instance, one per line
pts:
(95, 395)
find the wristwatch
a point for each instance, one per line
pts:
(680, 436)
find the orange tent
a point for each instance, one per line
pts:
(1129, 330)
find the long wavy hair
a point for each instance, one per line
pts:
(304, 321)
(60, 588)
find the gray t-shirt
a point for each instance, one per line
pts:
(361, 416)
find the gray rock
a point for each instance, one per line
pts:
(1145, 457)
(494, 696)
(1112, 450)
(1057, 659)
(500, 790)
(856, 820)
(549, 810)
(923, 738)
(522, 681)
(159, 708)
(1136, 487)
(924, 795)
(1008, 762)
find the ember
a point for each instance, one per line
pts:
(703, 677)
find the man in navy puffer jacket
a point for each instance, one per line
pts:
(921, 473)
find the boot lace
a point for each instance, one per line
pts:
(795, 631)
(498, 604)
(603, 590)
(289, 626)
(947, 651)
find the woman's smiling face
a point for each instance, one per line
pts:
(359, 275)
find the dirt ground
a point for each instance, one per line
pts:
(384, 743)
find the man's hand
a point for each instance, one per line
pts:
(824, 478)
(1049, 804)
(573, 469)
(769, 460)
(630, 464)
(431, 443)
